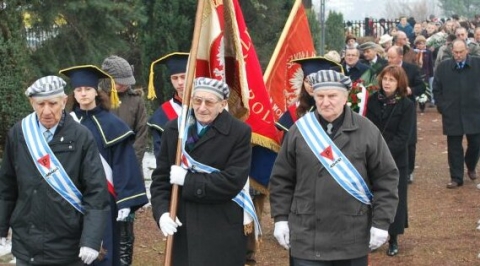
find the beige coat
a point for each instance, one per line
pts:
(133, 112)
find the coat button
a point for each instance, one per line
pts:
(199, 191)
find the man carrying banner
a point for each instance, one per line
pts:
(213, 203)
(333, 189)
(52, 185)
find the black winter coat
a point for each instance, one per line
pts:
(46, 228)
(212, 233)
(417, 85)
(457, 96)
(395, 121)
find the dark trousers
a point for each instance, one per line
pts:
(456, 158)
(27, 263)
(412, 149)
(362, 261)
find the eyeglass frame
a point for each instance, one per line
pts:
(197, 101)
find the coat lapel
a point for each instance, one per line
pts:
(221, 125)
(341, 138)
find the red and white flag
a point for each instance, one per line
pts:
(226, 52)
(282, 77)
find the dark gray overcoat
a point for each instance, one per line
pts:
(457, 96)
(212, 233)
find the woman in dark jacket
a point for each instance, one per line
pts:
(393, 113)
(115, 143)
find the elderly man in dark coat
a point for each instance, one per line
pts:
(53, 192)
(372, 59)
(216, 154)
(456, 88)
(333, 188)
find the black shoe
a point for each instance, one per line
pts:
(453, 184)
(422, 107)
(472, 175)
(392, 249)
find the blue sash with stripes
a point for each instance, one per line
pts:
(332, 158)
(243, 198)
(48, 165)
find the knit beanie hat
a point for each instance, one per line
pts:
(214, 86)
(120, 70)
(46, 87)
(329, 79)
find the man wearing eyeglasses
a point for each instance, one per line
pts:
(462, 34)
(216, 153)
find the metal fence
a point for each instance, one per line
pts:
(360, 28)
(369, 27)
(36, 37)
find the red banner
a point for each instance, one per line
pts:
(283, 78)
(226, 52)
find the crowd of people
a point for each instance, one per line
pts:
(338, 188)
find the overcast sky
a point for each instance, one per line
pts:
(357, 9)
(353, 9)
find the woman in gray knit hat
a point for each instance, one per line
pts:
(133, 112)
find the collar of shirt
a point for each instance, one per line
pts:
(200, 127)
(52, 129)
(456, 65)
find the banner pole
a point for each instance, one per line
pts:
(191, 66)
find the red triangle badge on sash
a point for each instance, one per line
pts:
(45, 161)
(184, 160)
(327, 153)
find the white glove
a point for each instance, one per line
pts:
(177, 175)
(378, 237)
(122, 214)
(282, 234)
(167, 225)
(88, 255)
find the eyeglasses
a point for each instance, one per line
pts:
(208, 102)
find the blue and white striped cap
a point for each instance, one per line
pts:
(215, 86)
(329, 79)
(48, 86)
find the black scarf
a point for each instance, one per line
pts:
(393, 99)
(193, 136)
